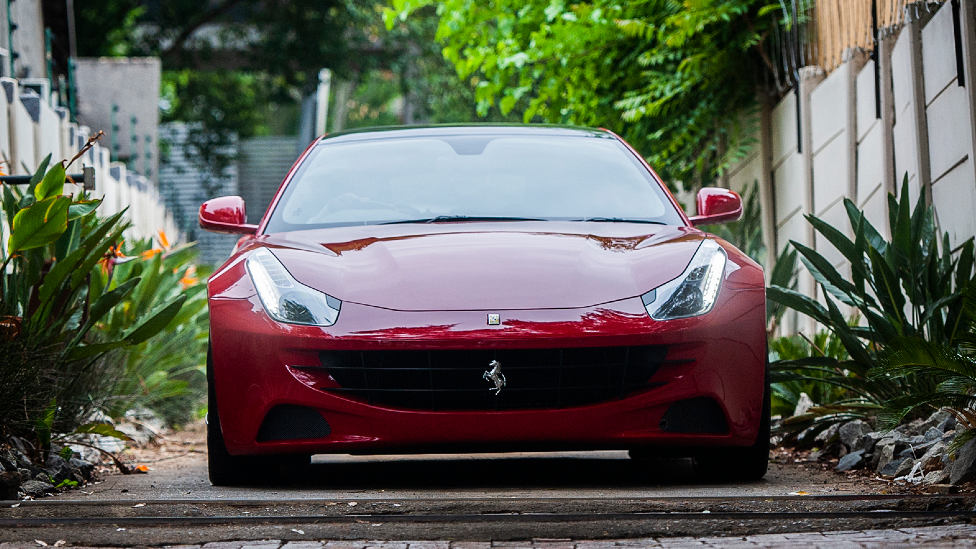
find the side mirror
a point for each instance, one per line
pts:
(717, 205)
(225, 215)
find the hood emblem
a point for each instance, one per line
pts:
(495, 376)
(494, 319)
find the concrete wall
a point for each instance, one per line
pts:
(948, 116)
(130, 87)
(28, 39)
(857, 142)
(30, 129)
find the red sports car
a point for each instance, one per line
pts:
(483, 288)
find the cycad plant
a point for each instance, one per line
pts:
(953, 366)
(906, 287)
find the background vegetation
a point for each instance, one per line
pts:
(55, 369)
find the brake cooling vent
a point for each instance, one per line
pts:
(289, 422)
(694, 415)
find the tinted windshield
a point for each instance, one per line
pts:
(499, 176)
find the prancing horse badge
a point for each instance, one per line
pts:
(495, 376)
(494, 319)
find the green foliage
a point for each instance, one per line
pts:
(903, 288)
(673, 77)
(165, 373)
(52, 372)
(102, 429)
(951, 367)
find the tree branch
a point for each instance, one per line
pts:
(205, 18)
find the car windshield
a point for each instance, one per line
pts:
(452, 178)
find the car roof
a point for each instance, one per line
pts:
(445, 130)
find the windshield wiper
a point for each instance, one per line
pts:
(448, 218)
(621, 220)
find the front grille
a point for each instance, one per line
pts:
(454, 379)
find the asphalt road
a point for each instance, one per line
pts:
(476, 497)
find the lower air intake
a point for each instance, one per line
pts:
(289, 422)
(694, 415)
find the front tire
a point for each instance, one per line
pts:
(741, 463)
(228, 470)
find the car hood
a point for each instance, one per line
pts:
(486, 266)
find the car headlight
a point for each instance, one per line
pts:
(694, 292)
(286, 299)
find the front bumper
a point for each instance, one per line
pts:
(720, 356)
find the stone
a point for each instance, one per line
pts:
(58, 469)
(84, 468)
(934, 420)
(852, 430)
(803, 405)
(23, 462)
(827, 436)
(904, 467)
(908, 429)
(932, 459)
(916, 450)
(866, 442)
(850, 461)
(889, 469)
(9, 482)
(964, 466)
(947, 425)
(888, 449)
(933, 434)
(36, 488)
(8, 462)
(936, 477)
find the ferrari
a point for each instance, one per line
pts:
(483, 288)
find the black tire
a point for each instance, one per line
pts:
(741, 463)
(228, 470)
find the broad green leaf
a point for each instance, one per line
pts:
(87, 255)
(156, 321)
(964, 267)
(82, 352)
(10, 202)
(784, 270)
(68, 242)
(190, 309)
(82, 208)
(52, 184)
(97, 253)
(838, 325)
(101, 307)
(45, 423)
(887, 288)
(797, 301)
(39, 225)
(871, 235)
(103, 429)
(901, 229)
(827, 275)
(839, 240)
(37, 177)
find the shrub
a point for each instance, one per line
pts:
(908, 287)
(166, 373)
(50, 369)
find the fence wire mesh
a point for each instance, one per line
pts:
(827, 33)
